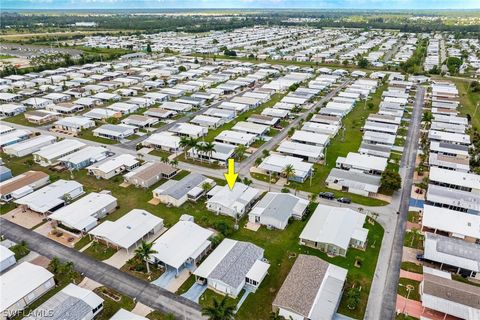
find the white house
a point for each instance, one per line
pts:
(275, 210)
(232, 202)
(50, 155)
(112, 166)
(183, 245)
(29, 146)
(333, 230)
(178, 192)
(7, 258)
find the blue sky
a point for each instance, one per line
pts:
(165, 4)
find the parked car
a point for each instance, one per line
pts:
(420, 257)
(344, 200)
(327, 195)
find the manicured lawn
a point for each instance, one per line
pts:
(413, 216)
(82, 242)
(20, 251)
(263, 177)
(403, 289)
(99, 251)
(160, 153)
(243, 117)
(399, 142)
(206, 299)
(186, 285)
(468, 101)
(137, 268)
(202, 163)
(340, 146)
(411, 267)
(413, 240)
(157, 315)
(20, 119)
(181, 174)
(88, 135)
(113, 301)
(280, 246)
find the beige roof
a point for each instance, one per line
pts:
(154, 169)
(26, 179)
(451, 290)
(300, 288)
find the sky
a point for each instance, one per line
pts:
(232, 4)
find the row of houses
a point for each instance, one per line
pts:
(451, 213)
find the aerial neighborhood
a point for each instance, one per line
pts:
(241, 165)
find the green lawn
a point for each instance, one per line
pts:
(402, 316)
(88, 135)
(278, 245)
(160, 153)
(137, 268)
(468, 101)
(413, 240)
(202, 163)
(186, 285)
(206, 299)
(99, 251)
(20, 119)
(263, 177)
(413, 216)
(20, 251)
(459, 278)
(411, 267)
(340, 146)
(82, 242)
(404, 284)
(111, 306)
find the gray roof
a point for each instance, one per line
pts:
(354, 176)
(279, 206)
(457, 247)
(61, 307)
(453, 146)
(178, 189)
(237, 262)
(451, 290)
(114, 127)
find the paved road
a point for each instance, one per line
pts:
(389, 296)
(388, 56)
(244, 167)
(144, 292)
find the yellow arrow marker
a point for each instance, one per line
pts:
(231, 176)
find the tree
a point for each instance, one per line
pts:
(164, 159)
(144, 251)
(209, 148)
(353, 298)
(149, 48)
(453, 64)
(240, 151)
(391, 180)
(288, 171)
(219, 310)
(174, 163)
(182, 69)
(184, 144)
(363, 63)
(276, 315)
(206, 186)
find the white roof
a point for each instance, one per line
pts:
(5, 253)
(165, 139)
(60, 148)
(29, 144)
(129, 229)
(123, 314)
(467, 180)
(237, 198)
(91, 153)
(49, 196)
(180, 242)
(235, 137)
(456, 222)
(363, 161)
(301, 149)
(82, 213)
(335, 225)
(277, 163)
(310, 137)
(114, 163)
(89, 297)
(20, 281)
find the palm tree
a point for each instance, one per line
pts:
(240, 151)
(219, 310)
(209, 148)
(174, 163)
(193, 144)
(206, 187)
(184, 144)
(144, 251)
(288, 171)
(164, 159)
(200, 150)
(276, 315)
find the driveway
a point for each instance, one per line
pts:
(195, 292)
(164, 280)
